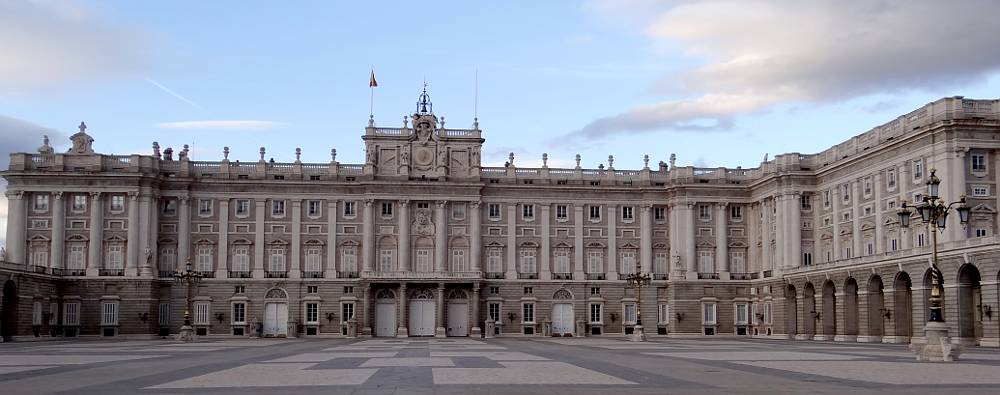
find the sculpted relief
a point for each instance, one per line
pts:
(422, 224)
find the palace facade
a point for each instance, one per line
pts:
(422, 240)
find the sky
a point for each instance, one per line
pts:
(719, 83)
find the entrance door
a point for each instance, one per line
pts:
(422, 317)
(562, 318)
(458, 319)
(276, 319)
(385, 319)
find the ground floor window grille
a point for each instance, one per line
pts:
(708, 314)
(312, 313)
(346, 312)
(493, 311)
(164, 318)
(528, 313)
(109, 315)
(595, 313)
(663, 313)
(629, 314)
(239, 313)
(201, 313)
(71, 313)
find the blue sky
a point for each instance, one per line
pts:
(719, 83)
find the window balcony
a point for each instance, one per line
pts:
(527, 276)
(275, 274)
(596, 276)
(495, 276)
(562, 276)
(768, 273)
(111, 272)
(239, 274)
(312, 274)
(73, 272)
(206, 273)
(708, 276)
(166, 273)
(661, 276)
(743, 276)
(59, 272)
(347, 274)
(39, 269)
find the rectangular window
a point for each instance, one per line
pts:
(595, 212)
(737, 261)
(562, 264)
(349, 209)
(659, 213)
(627, 213)
(204, 260)
(529, 290)
(239, 313)
(920, 240)
(767, 313)
(595, 262)
(980, 232)
(387, 209)
(628, 262)
(704, 211)
(494, 210)
(708, 314)
(807, 258)
(706, 262)
(117, 203)
(562, 212)
(349, 259)
(276, 260)
(660, 263)
(980, 191)
(890, 179)
(736, 213)
(918, 169)
(978, 162)
(314, 207)
(494, 261)
(170, 207)
(77, 257)
(201, 313)
(71, 314)
(826, 199)
(346, 312)
(528, 261)
(458, 211)
(867, 186)
(277, 208)
(116, 257)
(458, 261)
(41, 202)
(36, 313)
(314, 261)
(741, 314)
(596, 291)
(806, 201)
(595, 313)
(164, 314)
(109, 313)
(241, 259)
(204, 207)
(528, 313)
(79, 203)
(845, 191)
(386, 262)
(628, 314)
(893, 245)
(494, 290)
(349, 289)
(663, 313)
(312, 313)
(493, 311)
(423, 260)
(528, 211)
(239, 289)
(242, 207)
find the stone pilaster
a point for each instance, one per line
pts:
(545, 271)
(368, 235)
(135, 242)
(295, 269)
(404, 237)
(96, 248)
(476, 329)
(331, 239)
(58, 246)
(856, 213)
(512, 264)
(183, 230)
(612, 259)
(402, 302)
(476, 234)
(258, 243)
(794, 230)
(222, 259)
(646, 238)
(721, 241)
(439, 317)
(146, 239)
(578, 249)
(17, 228)
(440, 237)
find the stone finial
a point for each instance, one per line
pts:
(83, 127)
(510, 158)
(611, 161)
(298, 154)
(225, 153)
(406, 121)
(600, 166)
(371, 121)
(45, 149)
(333, 155)
(645, 161)
(577, 161)
(184, 152)
(168, 154)
(442, 122)
(673, 160)
(45, 140)
(262, 151)
(475, 123)
(545, 159)
(156, 150)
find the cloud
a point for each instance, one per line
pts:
(17, 135)
(760, 53)
(49, 44)
(244, 125)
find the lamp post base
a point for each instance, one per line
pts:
(186, 334)
(638, 335)
(938, 347)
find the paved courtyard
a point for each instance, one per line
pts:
(460, 366)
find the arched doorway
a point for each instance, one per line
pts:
(902, 297)
(970, 300)
(458, 313)
(422, 312)
(791, 311)
(8, 317)
(876, 307)
(562, 312)
(851, 307)
(809, 308)
(385, 313)
(829, 315)
(276, 313)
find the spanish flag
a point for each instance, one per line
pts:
(373, 83)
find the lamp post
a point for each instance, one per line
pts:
(187, 277)
(934, 214)
(638, 280)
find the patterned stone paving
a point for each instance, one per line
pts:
(514, 365)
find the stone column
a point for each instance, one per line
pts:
(295, 269)
(331, 239)
(403, 246)
(258, 244)
(545, 271)
(794, 230)
(135, 243)
(953, 188)
(146, 241)
(753, 226)
(578, 249)
(477, 238)
(368, 235)
(512, 268)
(721, 241)
(476, 329)
(780, 251)
(439, 317)
(183, 230)
(58, 246)
(612, 259)
(877, 185)
(856, 212)
(440, 237)
(16, 227)
(147, 268)
(96, 248)
(835, 200)
(402, 303)
(222, 262)
(687, 235)
(765, 235)
(645, 238)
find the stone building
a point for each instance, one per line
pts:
(422, 240)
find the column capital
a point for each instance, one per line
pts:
(95, 195)
(133, 195)
(404, 203)
(475, 204)
(57, 195)
(721, 205)
(14, 194)
(369, 202)
(183, 198)
(441, 203)
(646, 207)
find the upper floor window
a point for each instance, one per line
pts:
(458, 211)
(117, 203)
(627, 213)
(890, 178)
(387, 209)
(313, 208)
(242, 207)
(980, 190)
(736, 212)
(528, 211)
(350, 209)
(978, 162)
(204, 207)
(826, 199)
(595, 212)
(170, 207)
(845, 191)
(868, 186)
(494, 210)
(704, 212)
(562, 212)
(806, 201)
(41, 202)
(79, 202)
(278, 208)
(918, 169)
(659, 213)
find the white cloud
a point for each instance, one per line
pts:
(19, 136)
(244, 125)
(49, 44)
(759, 53)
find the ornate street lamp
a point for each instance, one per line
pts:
(187, 277)
(934, 214)
(638, 280)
